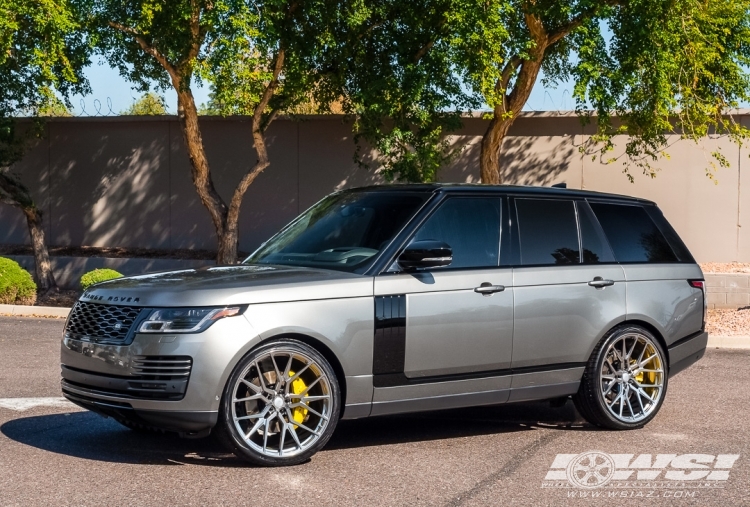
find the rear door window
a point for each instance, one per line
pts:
(632, 234)
(548, 232)
(470, 226)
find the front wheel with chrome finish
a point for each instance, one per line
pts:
(625, 381)
(280, 405)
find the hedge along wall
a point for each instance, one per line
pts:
(125, 181)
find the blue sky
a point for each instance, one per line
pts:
(106, 83)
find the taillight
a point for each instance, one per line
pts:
(701, 284)
(698, 284)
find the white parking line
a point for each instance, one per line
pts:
(21, 404)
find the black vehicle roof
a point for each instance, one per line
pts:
(500, 189)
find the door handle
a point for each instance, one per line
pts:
(487, 289)
(600, 282)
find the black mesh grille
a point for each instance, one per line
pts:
(101, 323)
(152, 377)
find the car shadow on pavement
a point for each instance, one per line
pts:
(456, 423)
(89, 436)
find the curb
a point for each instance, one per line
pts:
(35, 311)
(729, 342)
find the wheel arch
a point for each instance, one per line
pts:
(651, 329)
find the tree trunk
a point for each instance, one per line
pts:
(505, 112)
(15, 193)
(492, 143)
(225, 219)
(227, 243)
(44, 275)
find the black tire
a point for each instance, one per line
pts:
(286, 419)
(591, 401)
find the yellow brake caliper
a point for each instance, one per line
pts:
(298, 386)
(650, 376)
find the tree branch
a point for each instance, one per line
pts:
(426, 48)
(148, 48)
(577, 21)
(10, 202)
(510, 67)
(272, 116)
(278, 65)
(195, 30)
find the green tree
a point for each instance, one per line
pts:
(647, 68)
(40, 55)
(149, 104)
(393, 71)
(256, 55)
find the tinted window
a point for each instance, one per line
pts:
(343, 231)
(471, 226)
(595, 246)
(548, 231)
(679, 248)
(632, 234)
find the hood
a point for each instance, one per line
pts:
(227, 285)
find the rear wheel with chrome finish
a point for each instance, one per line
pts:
(625, 380)
(280, 405)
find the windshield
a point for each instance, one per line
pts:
(343, 231)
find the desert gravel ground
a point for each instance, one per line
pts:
(486, 456)
(727, 322)
(721, 322)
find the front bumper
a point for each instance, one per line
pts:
(174, 382)
(686, 351)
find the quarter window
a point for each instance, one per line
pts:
(632, 234)
(470, 226)
(595, 246)
(548, 232)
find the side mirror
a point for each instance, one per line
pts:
(427, 253)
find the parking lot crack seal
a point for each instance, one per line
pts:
(519, 459)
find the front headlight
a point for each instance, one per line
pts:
(185, 320)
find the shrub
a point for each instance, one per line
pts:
(16, 285)
(98, 275)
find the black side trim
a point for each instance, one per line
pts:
(400, 379)
(685, 340)
(389, 347)
(547, 367)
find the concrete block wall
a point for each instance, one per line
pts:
(125, 181)
(730, 290)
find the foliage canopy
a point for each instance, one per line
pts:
(646, 68)
(149, 104)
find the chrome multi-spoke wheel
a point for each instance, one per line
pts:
(281, 404)
(625, 380)
(632, 377)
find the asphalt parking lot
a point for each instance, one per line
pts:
(58, 454)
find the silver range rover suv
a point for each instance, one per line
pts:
(395, 299)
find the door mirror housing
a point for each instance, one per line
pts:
(427, 253)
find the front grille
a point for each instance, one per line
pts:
(109, 324)
(152, 378)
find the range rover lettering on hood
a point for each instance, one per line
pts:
(87, 296)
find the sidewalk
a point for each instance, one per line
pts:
(50, 312)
